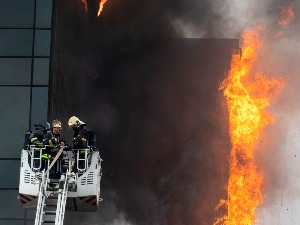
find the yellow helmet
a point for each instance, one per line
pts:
(75, 122)
(56, 123)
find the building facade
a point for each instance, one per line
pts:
(25, 37)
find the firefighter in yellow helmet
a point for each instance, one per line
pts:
(81, 135)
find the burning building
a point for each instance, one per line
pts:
(146, 77)
(158, 96)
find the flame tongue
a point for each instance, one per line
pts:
(101, 7)
(85, 4)
(245, 113)
(246, 120)
(101, 4)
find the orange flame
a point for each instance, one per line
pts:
(286, 14)
(101, 4)
(85, 4)
(101, 7)
(246, 120)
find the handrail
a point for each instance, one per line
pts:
(41, 200)
(81, 163)
(62, 199)
(84, 160)
(40, 149)
(34, 159)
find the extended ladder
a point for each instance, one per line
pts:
(51, 207)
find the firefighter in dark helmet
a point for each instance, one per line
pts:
(36, 138)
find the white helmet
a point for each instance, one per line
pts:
(56, 124)
(75, 122)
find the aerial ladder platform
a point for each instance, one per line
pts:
(77, 189)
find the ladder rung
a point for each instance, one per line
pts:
(54, 180)
(52, 197)
(50, 212)
(52, 189)
(50, 209)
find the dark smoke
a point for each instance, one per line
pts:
(153, 100)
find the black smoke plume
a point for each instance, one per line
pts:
(152, 97)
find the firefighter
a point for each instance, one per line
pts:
(55, 138)
(80, 141)
(37, 139)
(81, 134)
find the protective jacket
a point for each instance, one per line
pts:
(49, 139)
(80, 137)
(36, 138)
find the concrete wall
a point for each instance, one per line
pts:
(25, 37)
